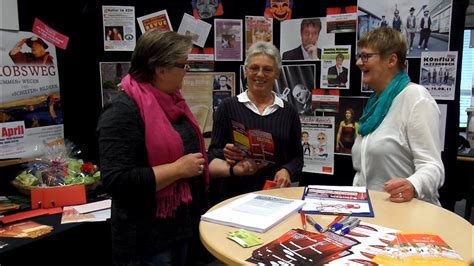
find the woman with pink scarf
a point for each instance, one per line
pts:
(153, 159)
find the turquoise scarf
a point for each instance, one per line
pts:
(378, 106)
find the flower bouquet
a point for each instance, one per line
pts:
(58, 166)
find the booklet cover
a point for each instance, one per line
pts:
(299, 247)
(338, 200)
(253, 212)
(256, 144)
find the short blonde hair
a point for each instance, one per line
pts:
(386, 41)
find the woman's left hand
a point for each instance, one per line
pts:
(282, 178)
(400, 190)
(232, 153)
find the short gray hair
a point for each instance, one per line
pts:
(158, 49)
(264, 48)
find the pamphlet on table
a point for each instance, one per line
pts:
(337, 200)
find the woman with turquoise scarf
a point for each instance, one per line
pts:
(398, 149)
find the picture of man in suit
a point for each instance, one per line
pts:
(308, 50)
(425, 30)
(383, 22)
(337, 75)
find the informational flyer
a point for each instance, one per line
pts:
(196, 28)
(438, 73)
(158, 20)
(341, 19)
(119, 28)
(336, 67)
(228, 39)
(30, 102)
(201, 59)
(317, 139)
(325, 100)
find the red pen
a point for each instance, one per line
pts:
(337, 219)
(303, 219)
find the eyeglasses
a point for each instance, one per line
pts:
(184, 66)
(267, 71)
(365, 56)
(320, 138)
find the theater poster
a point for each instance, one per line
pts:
(317, 139)
(438, 73)
(30, 103)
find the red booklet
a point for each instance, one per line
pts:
(299, 247)
(256, 144)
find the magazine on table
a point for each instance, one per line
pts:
(412, 248)
(254, 212)
(299, 247)
(257, 144)
(337, 200)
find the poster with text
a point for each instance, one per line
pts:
(317, 139)
(325, 100)
(336, 67)
(341, 19)
(438, 73)
(158, 20)
(119, 28)
(196, 28)
(30, 103)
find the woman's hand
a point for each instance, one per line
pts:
(190, 165)
(282, 178)
(400, 190)
(232, 153)
(247, 167)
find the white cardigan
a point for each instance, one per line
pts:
(406, 144)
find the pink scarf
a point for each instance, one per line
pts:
(163, 143)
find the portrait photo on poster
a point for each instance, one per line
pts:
(425, 26)
(305, 43)
(294, 86)
(335, 67)
(347, 122)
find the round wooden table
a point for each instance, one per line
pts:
(413, 216)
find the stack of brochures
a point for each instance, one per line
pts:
(337, 200)
(299, 247)
(254, 212)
